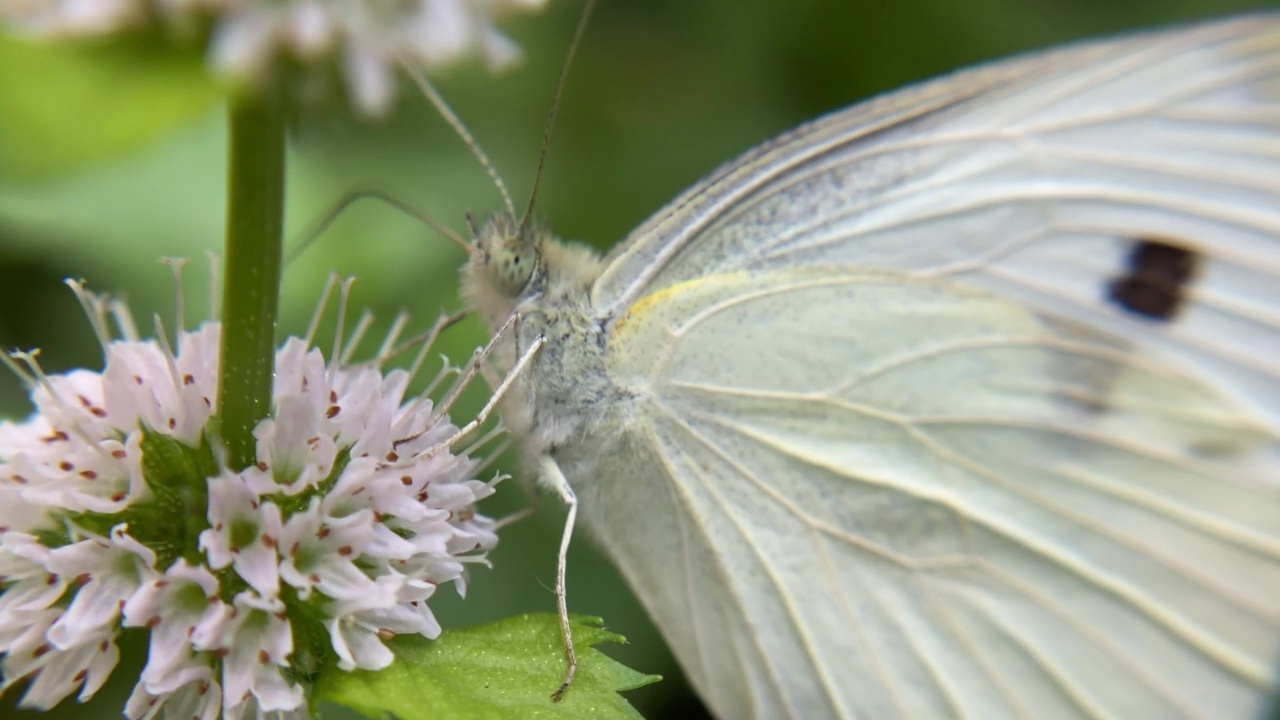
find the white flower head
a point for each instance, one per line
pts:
(116, 511)
(366, 40)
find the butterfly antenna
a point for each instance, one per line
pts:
(555, 103)
(452, 118)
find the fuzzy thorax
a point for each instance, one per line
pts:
(523, 269)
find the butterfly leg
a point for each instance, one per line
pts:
(552, 477)
(478, 360)
(494, 399)
(472, 369)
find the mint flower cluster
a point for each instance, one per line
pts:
(117, 512)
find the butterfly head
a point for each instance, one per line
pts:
(505, 254)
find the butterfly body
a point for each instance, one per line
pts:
(961, 402)
(568, 390)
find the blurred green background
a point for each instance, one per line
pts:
(662, 92)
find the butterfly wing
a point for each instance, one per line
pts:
(1041, 178)
(966, 401)
(845, 519)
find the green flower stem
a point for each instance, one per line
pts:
(251, 288)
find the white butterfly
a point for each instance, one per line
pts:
(961, 402)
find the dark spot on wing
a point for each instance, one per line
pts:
(1155, 280)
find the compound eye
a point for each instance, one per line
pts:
(512, 266)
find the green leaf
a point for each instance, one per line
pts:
(66, 104)
(501, 671)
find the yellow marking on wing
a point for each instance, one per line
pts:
(643, 309)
